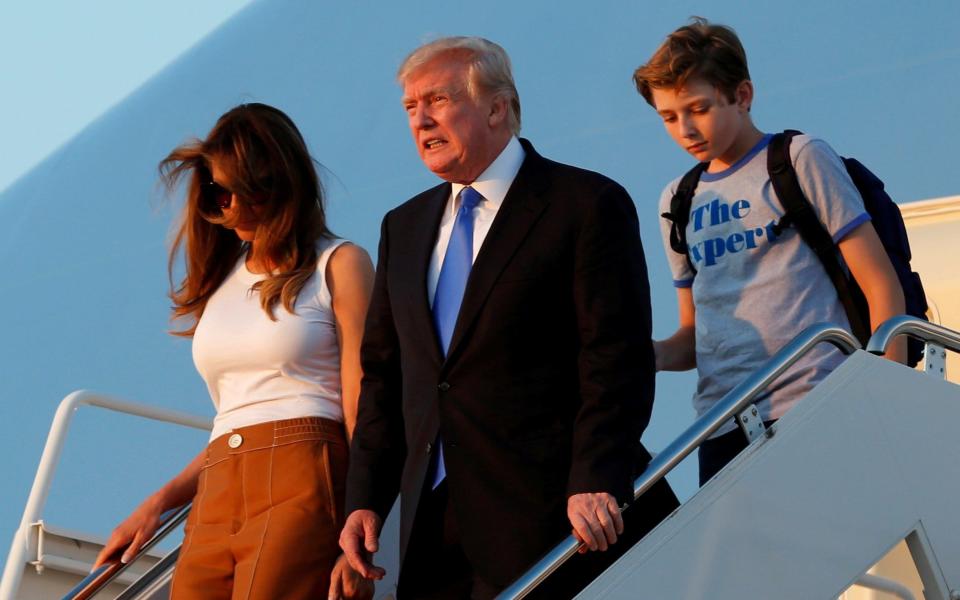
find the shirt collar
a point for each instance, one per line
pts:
(496, 180)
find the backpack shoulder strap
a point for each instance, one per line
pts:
(798, 210)
(679, 215)
(800, 214)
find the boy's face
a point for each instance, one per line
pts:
(702, 121)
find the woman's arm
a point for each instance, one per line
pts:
(143, 522)
(350, 279)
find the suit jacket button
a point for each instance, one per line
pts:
(429, 447)
(444, 386)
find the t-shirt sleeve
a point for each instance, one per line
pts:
(828, 187)
(679, 267)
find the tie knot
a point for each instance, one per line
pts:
(469, 198)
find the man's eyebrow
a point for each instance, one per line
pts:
(421, 94)
(451, 91)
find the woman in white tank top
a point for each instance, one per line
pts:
(275, 306)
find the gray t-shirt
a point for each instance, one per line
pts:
(753, 290)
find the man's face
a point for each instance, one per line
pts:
(456, 135)
(701, 120)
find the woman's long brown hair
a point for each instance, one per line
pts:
(263, 156)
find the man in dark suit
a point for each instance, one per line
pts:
(508, 367)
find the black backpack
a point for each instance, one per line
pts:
(798, 212)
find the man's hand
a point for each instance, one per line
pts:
(595, 519)
(347, 584)
(359, 539)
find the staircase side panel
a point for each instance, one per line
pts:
(850, 472)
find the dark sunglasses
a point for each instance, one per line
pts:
(215, 198)
(214, 194)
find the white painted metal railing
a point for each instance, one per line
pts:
(937, 340)
(734, 404)
(882, 584)
(23, 542)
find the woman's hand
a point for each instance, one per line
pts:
(347, 584)
(132, 533)
(143, 522)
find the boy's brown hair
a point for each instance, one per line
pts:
(699, 50)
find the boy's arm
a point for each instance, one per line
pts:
(678, 352)
(864, 254)
(827, 185)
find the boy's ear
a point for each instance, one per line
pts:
(744, 95)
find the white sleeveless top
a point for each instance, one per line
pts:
(258, 370)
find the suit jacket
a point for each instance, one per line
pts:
(549, 379)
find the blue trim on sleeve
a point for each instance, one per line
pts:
(743, 160)
(846, 229)
(683, 283)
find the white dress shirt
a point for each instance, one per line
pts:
(493, 185)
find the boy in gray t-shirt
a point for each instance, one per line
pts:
(753, 287)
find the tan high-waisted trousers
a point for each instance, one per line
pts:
(267, 514)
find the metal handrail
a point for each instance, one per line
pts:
(883, 584)
(914, 327)
(109, 571)
(733, 403)
(146, 580)
(21, 545)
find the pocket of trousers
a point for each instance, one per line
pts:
(326, 465)
(333, 461)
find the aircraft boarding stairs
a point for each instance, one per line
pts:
(869, 461)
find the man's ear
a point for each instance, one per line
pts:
(743, 95)
(498, 111)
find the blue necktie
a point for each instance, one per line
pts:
(450, 287)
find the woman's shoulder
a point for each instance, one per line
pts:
(341, 256)
(338, 250)
(346, 256)
(348, 265)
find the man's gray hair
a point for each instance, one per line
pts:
(488, 69)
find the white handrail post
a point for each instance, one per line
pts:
(20, 547)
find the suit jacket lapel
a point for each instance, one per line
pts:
(521, 208)
(422, 241)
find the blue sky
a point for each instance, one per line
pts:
(64, 63)
(878, 80)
